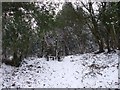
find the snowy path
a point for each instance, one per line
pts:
(73, 72)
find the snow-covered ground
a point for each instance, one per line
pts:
(75, 71)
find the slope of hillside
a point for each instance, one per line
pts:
(75, 71)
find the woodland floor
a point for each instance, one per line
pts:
(75, 71)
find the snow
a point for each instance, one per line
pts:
(75, 71)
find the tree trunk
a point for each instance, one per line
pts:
(16, 60)
(101, 48)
